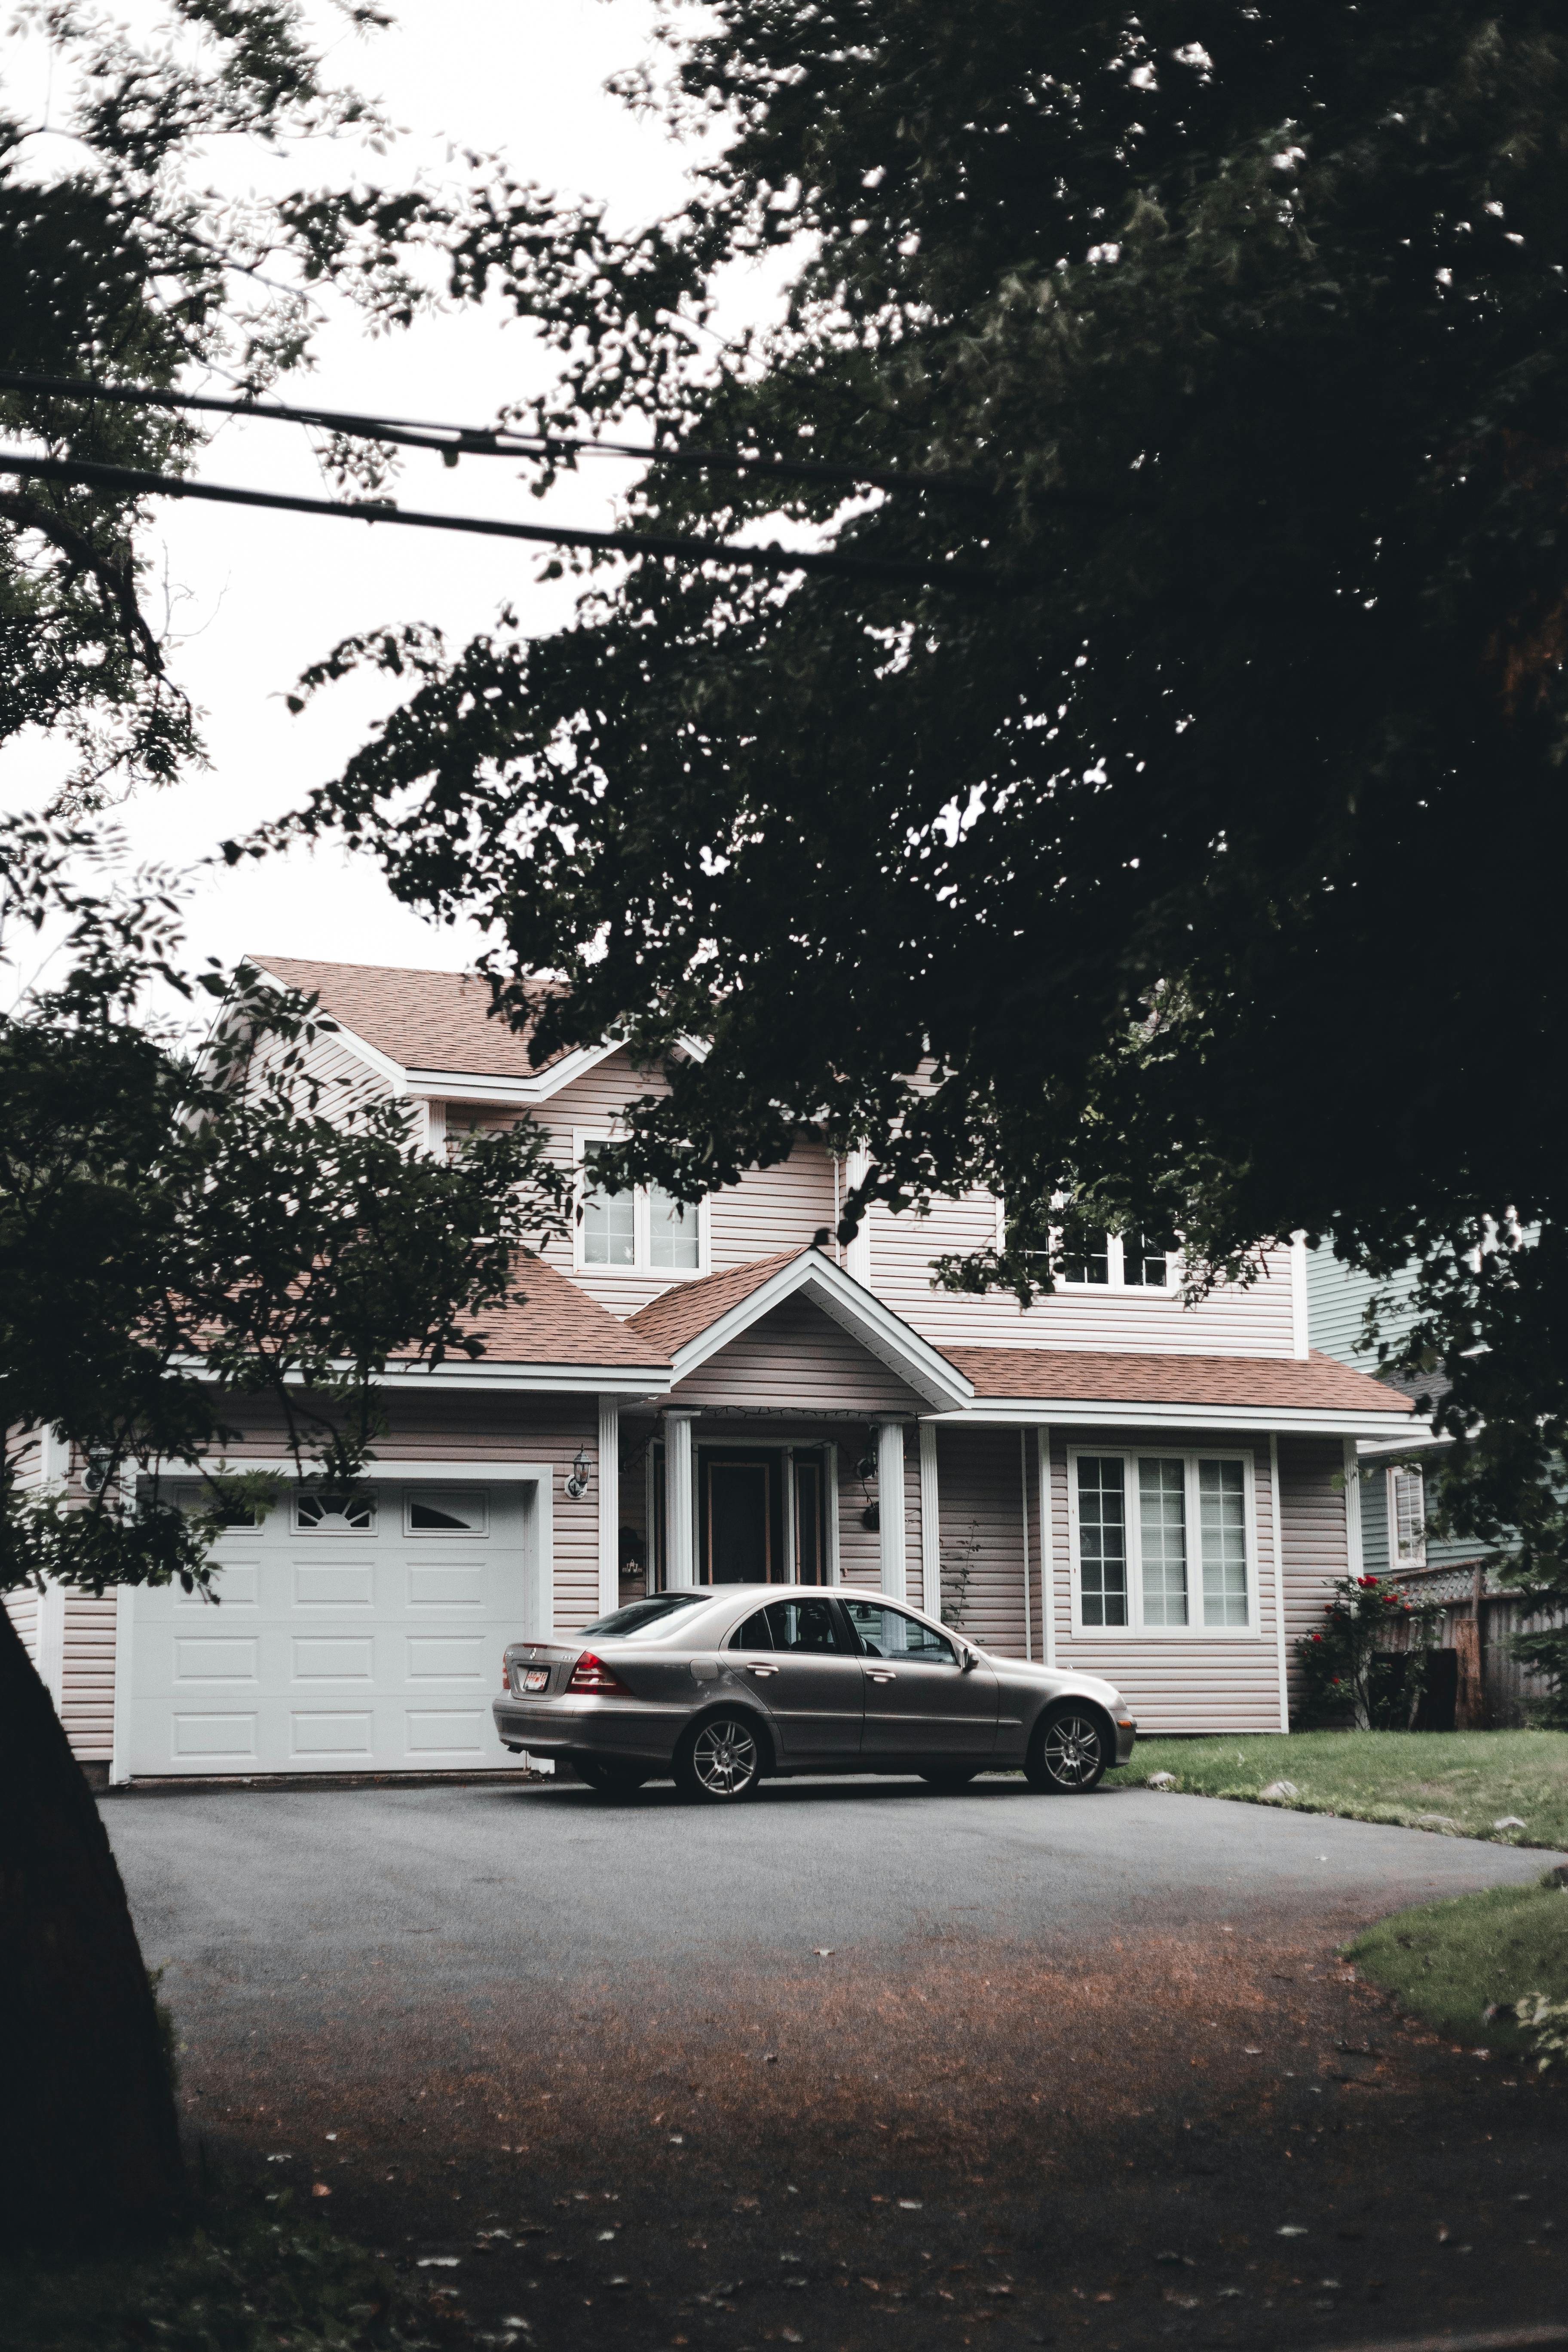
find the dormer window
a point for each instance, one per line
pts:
(1091, 1257)
(642, 1228)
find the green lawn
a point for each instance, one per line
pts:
(1448, 1962)
(254, 2276)
(1467, 1780)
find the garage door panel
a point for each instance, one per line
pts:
(337, 1651)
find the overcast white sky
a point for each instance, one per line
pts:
(264, 595)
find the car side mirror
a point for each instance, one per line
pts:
(968, 1659)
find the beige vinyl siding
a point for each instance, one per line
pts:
(485, 1429)
(796, 1358)
(347, 1082)
(1236, 1320)
(914, 1584)
(1187, 1682)
(1317, 1550)
(87, 1680)
(981, 1507)
(23, 1611)
(859, 1547)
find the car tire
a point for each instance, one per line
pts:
(609, 1778)
(1068, 1753)
(950, 1782)
(721, 1759)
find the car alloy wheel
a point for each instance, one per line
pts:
(720, 1761)
(1067, 1758)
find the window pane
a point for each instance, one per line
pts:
(1222, 1508)
(447, 1510)
(1085, 1253)
(888, 1633)
(1163, 1533)
(672, 1229)
(609, 1220)
(1145, 1264)
(1102, 1538)
(808, 1626)
(1409, 1518)
(318, 1513)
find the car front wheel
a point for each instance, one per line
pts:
(1068, 1753)
(719, 1761)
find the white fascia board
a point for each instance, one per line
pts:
(471, 1085)
(489, 1372)
(1103, 1412)
(474, 1471)
(1422, 1434)
(854, 1309)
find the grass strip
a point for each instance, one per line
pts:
(250, 2276)
(1449, 1963)
(1460, 1783)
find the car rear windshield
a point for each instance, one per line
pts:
(641, 1618)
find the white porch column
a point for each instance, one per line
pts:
(1047, 1550)
(890, 1506)
(1301, 1310)
(680, 1502)
(1354, 1557)
(609, 1505)
(931, 1523)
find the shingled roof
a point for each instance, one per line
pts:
(689, 1309)
(551, 1322)
(420, 1019)
(1255, 1383)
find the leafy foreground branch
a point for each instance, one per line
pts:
(1467, 1784)
(247, 2277)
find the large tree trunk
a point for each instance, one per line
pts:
(88, 2135)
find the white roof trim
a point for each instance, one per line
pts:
(854, 1309)
(1109, 1413)
(460, 1086)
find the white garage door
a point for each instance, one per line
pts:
(357, 1632)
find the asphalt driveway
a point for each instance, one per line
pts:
(856, 2063)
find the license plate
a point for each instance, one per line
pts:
(537, 1678)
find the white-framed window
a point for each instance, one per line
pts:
(1407, 1518)
(445, 1511)
(643, 1230)
(320, 1512)
(1162, 1541)
(1092, 1258)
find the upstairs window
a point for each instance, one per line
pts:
(642, 1228)
(1162, 1543)
(1407, 1518)
(1091, 1256)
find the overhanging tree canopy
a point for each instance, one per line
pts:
(1211, 863)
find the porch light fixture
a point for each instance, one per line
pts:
(578, 1485)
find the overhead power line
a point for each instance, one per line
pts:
(455, 441)
(134, 482)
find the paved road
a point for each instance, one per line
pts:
(856, 2063)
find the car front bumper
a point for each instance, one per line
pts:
(1126, 1739)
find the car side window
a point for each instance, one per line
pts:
(888, 1633)
(756, 1634)
(809, 1627)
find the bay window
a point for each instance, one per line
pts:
(1161, 1540)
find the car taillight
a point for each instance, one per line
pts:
(591, 1673)
(505, 1674)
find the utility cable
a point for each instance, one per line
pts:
(455, 441)
(134, 483)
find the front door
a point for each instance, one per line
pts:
(800, 1659)
(740, 1515)
(919, 1700)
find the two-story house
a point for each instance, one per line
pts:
(1148, 1490)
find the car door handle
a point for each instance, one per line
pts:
(761, 1670)
(880, 1678)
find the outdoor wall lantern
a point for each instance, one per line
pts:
(578, 1485)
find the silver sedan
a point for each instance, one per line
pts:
(724, 1686)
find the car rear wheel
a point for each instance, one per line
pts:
(719, 1761)
(609, 1779)
(1068, 1753)
(959, 1778)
